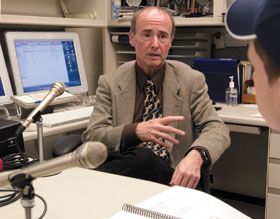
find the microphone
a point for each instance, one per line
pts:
(89, 155)
(56, 90)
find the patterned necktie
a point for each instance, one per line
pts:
(152, 109)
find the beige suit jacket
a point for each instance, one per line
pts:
(184, 93)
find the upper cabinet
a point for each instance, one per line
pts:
(86, 13)
(217, 19)
(65, 13)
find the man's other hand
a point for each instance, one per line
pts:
(187, 172)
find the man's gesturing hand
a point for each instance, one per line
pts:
(157, 130)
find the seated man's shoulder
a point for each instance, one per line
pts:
(120, 72)
(126, 66)
(178, 64)
(182, 68)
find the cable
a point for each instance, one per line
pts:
(45, 206)
(19, 149)
(15, 161)
(14, 195)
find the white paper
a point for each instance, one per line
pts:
(186, 203)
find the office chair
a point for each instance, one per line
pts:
(66, 144)
(205, 180)
(69, 143)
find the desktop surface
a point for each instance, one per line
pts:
(246, 114)
(81, 193)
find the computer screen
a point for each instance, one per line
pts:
(39, 59)
(5, 85)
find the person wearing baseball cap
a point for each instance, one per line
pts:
(259, 22)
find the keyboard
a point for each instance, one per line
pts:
(67, 116)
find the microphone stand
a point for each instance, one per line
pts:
(39, 124)
(24, 183)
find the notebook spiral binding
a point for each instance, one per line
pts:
(146, 213)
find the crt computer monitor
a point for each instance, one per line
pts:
(39, 59)
(5, 85)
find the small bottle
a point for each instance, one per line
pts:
(116, 5)
(231, 93)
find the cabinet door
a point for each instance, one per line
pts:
(274, 146)
(272, 206)
(50, 13)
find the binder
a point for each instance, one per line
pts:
(217, 73)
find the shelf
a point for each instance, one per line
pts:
(196, 47)
(216, 19)
(197, 21)
(50, 21)
(179, 21)
(119, 23)
(125, 52)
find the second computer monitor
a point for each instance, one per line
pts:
(5, 85)
(38, 59)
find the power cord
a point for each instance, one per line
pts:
(14, 195)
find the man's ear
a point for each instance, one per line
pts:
(131, 39)
(171, 41)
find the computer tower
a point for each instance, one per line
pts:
(7, 137)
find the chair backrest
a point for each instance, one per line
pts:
(66, 144)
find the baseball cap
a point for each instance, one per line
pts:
(251, 19)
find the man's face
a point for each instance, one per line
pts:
(267, 94)
(152, 39)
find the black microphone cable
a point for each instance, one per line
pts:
(15, 194)
(15, 160)
(11, 196)
(23, 155)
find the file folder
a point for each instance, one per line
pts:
(217, 73)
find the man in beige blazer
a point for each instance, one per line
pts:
(189, 127)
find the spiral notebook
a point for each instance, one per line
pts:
(179, 202)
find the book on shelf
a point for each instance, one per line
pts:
(248, 88)
(179, 202)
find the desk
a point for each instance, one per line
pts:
(51, 135)
(32, 135)
(87, 194)
(239, 119)
(241, 114)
